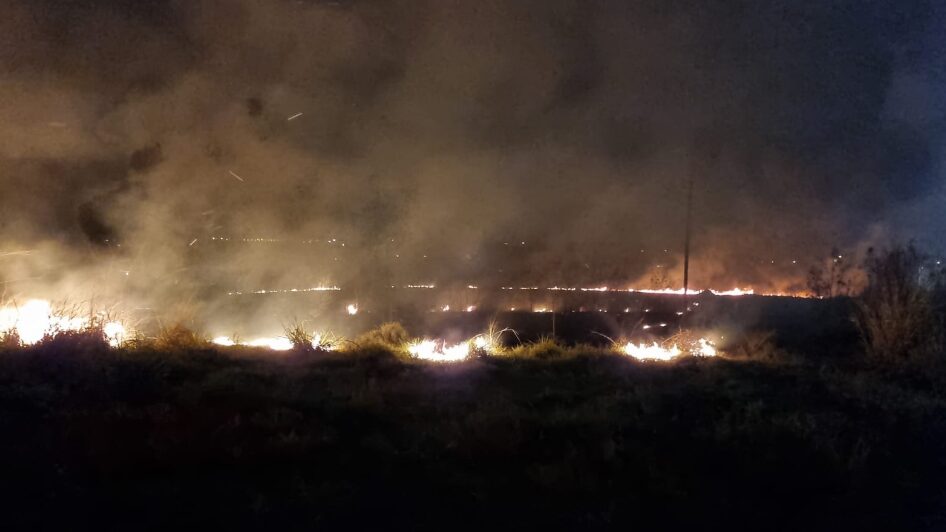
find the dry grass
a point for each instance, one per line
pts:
(544, 348)
(10, 340)
(895, 313)
(391, 334)
(755, 345)
(176, 337)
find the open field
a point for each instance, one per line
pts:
(770, 437)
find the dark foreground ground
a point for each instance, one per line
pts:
(141, 440)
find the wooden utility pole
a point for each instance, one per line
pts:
(686, 246)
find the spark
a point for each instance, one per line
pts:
(194, 241)
(236, 176)
(352, 309)
(293, 117)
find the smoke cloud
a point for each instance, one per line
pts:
(489, 142)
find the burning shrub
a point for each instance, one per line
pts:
(38, 320)
(691, 343)
(895, 312)
(300, 337)
(304, 341)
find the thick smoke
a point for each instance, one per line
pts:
(489, 142)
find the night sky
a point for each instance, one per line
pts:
(447, 128)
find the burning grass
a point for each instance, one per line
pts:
(36, 320)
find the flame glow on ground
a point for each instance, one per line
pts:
(438, 351)
(705, 348)
(276, 343)
(734, 292)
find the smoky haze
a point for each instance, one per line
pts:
(456, 142)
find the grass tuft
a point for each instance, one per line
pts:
(391, 334)
(178, 337)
